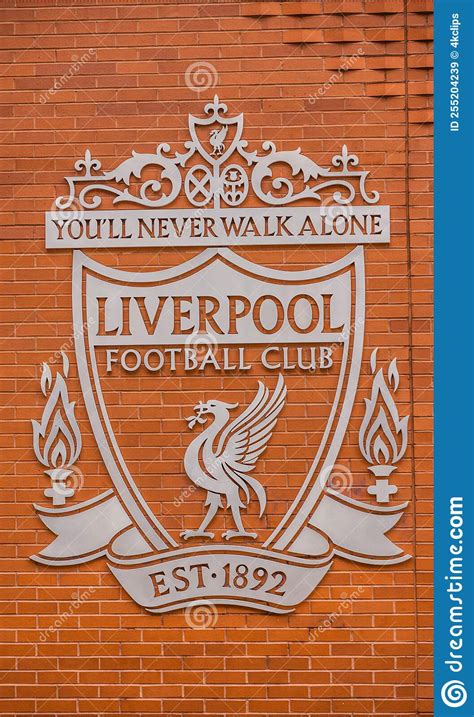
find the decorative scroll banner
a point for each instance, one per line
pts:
(252, 577)
(270, 580)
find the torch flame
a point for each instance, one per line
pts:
(377, 441)
(57, 439)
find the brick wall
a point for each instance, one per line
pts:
(120, 72)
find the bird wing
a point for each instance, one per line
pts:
(246, 437)
(221, 134)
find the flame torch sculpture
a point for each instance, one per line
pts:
(57, 439)
(383, 435)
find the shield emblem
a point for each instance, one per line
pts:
(216, 137)
(219, 340)
(219, 390)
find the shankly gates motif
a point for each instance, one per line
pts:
(272, 329)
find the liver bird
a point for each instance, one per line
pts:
(216, 138)
(220, 459)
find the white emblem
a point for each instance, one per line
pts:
(274, 183)
(275, 330)
(222, 457)
(216, 139)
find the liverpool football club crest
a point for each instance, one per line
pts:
(225, 358)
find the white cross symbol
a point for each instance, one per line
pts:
(199, 186)
(382, 490)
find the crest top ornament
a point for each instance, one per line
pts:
(343, 179)
(217, 172)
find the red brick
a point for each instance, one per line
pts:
(302, 36)
(270, 59)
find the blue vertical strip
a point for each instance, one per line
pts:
(454, 359)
